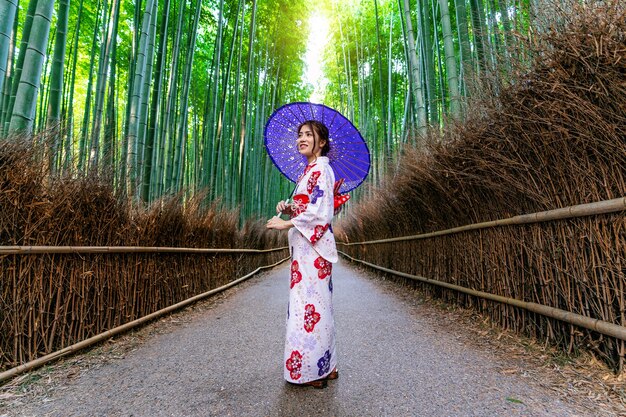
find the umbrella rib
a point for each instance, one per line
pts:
(335, 114)
(349, 135)
(352, 151)
(337, 128)
(340, 170)
(288, 128)
(295, 161)
(303, 118)
(311, 109)
(285, 151)
(351, 143)
(290, 167)
(366, 171)
(279, 121)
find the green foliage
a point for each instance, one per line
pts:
(365, 62)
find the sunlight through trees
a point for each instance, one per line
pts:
(171, 96)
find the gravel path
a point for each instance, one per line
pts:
(396, 358)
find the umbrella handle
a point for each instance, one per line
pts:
(280, 214)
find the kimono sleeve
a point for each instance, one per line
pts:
(315, 219)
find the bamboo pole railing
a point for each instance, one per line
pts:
(581, 210)
(125, 327)
(601, 326)
(606, 328)
(24, 250)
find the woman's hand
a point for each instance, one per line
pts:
(283, 207)
(278, 223)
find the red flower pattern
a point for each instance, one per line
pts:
(296, 276)
(311, 317)
(306, 171)
(324, 267)
(312, 181)
(294, 364)
(300, 203)
(319, 232)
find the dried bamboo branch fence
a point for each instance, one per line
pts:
(22, 250)
(52, 298)
(128, 326)
(77, 260)
(554, 136)
(581, 210)
(428, 252)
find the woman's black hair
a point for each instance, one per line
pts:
(322, 132)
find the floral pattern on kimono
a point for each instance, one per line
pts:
(294, 364)
(324, 363)
(300, 203)
(311, 318)
(310, 337)
(324, 267)
(296, 276)
(312, 182)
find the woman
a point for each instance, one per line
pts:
(310, 342)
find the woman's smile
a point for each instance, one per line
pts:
(306, 141)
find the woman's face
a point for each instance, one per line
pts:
(308, 142)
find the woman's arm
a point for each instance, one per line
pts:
(279, 224)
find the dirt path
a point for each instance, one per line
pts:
(398, 356)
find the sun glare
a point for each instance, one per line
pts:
(314, 74)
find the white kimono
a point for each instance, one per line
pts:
(310, 339)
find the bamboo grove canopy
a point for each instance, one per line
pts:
(165, 96)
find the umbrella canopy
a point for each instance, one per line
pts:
(349, 156)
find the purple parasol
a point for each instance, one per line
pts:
(349, 156)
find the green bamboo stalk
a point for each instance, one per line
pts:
(169, 124)
(347, 69)
(389, 89)
(32, 6)
(244, 114)
(110, 124)
(44, 93)
(101, 80)
(506, 24)
(136, 98)
(69, 115)
(83, 141)
(58, 60)
(182, 131)
(210, 156)
(145, 96)
(229, 107)
(380, 72)
(479, 31)
(8, 11)
(22, 117)
(56, 78)
(232, 158)
(149, 158)
(464, 40)
(451, 67)
(9, 76)
(416, 80)
(429, 46)
(407, 97)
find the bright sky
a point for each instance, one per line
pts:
(319, 26)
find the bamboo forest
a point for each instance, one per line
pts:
(136, 174)
(166, 96)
